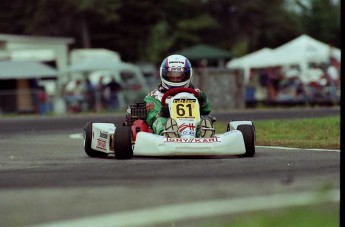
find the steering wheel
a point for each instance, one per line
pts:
(175, 91)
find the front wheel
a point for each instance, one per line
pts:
(248, 133)
(123, 148)
(87, 143)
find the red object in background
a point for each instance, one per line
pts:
(314, 84)
(42, 96)
(136, 87)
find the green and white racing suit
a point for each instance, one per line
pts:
(153, 107)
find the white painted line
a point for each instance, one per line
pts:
(295, 148)
(186, 211)
(76, 136)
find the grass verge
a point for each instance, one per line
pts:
(321, 215)
(320, 133)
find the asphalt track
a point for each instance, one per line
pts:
(47, 179)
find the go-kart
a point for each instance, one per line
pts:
(135, 137)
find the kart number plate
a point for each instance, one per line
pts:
(185, 108)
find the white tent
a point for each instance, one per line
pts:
(304, 50)
(258, 59)
(300, 51)
(252, 60)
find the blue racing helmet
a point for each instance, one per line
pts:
(175, 71)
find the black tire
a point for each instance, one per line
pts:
(248, 133)
(87, 143)
(123, 148)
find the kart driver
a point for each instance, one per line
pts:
(175, 71)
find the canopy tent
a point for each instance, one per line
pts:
(304, 50)
(25, 70)
(205, 52)
(300, 51)
(97, 64)
(259, 58)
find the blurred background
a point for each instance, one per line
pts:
(67, 57)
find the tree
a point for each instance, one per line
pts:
(176, 25)
(250, 25)
(149, 30)
(59, 17)
(14, 16)
(321, 20)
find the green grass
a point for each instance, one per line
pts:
(293, 217)
(322, 132)
(321, 215)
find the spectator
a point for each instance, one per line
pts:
(289, 84)
(78, 98)
(313, 77)
(114, 88)
(301, 92)
(333, 70)
(263, 77)
(42, 100)
(90, 95)
(101, 95)
(125, 77)
(333, 77)
(65, 93)
(285, 94)
(274, 77)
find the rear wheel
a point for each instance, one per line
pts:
(248, 133)
(123, 148)
(87, 143)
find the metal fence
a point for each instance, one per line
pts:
(26, 101)
(225, 88)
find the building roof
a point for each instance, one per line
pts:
(202, 51)
(25, 69)
(25, 38)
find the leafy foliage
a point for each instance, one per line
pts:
(322, 20)
(150, 29)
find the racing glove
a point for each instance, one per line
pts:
(202, 98)
(164, 111)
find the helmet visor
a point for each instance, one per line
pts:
(176, 75)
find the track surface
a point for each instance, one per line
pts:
(46, 177)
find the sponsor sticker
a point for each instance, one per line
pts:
(185, 126)
(150, 106)
(192, 140)
(184, 101)
(103, 135)
(187, 129)
(101, 144)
